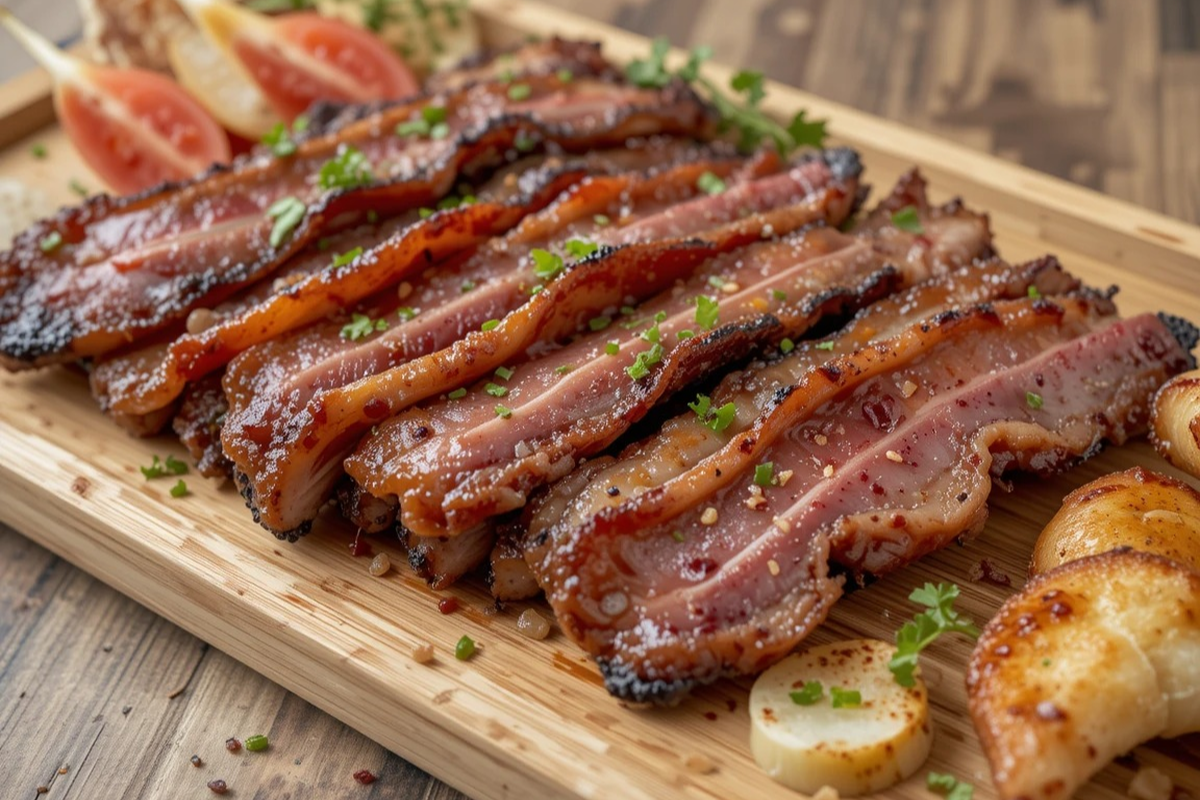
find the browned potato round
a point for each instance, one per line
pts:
(1136, 508)
(1175, 421)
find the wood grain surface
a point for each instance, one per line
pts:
(87, 676)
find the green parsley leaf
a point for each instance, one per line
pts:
(158, 469)
(439, 131)
(1033, 293)
(809, 694)
(51, 242)
(179, 489)
(599, 323)
(709, 183)
(749, 83)
(824, 345)
(490, 325)
(844, 698)
(300, 124)
(1033, 400)
(686, 333)
(787, 346)
(347, 170)
(279, 139)
(288, 212)
(643, 361)
(807, 134)
(457, 394)
(360, 326)
(701, 406)
(696, 58)
(38, 151)
(563, 369)
(651, 72)
(503, 373)
(406, 313)
(949, 786)
(519, 92)
(433, 114)
(345, 258)
(723, 417)
(925, 627)
(579, 249)
(764, 473)
(495, 390)
(601, 220)
(707, 312)
(612, 348)
(503, 412)
(546, 265)
(413, 127)
(907, 219)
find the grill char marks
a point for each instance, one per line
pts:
(726, 593)
(130, 268)
(295, 469)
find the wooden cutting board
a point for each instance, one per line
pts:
(528, 718)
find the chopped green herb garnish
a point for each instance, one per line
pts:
(565, 75)
(536, 289)
(457, 394)
(707, 312)
(179, 489)
(1033, 293)
(716, 281)
(433, 114)
(907, 219)
(599, 323)
(787, 346)
(824, 345)
(949, 786)
(431, 123)
(372, 216)
(406, 313)
(51, 242)
(439, 131)
(503, 412)
(519, 91)
(686, 333)
(347, 170)
(345, 258)
(601, 220)
(158, 469)
(563, 369)
(844, 698)
(495, 390)
(467, 286)
(279, 139)
(78, 188)
(465, 648)
(808, 694)
(503, 373)
(424, 213)
(715, 419)
(779, 295)
(915, 636)
(546, 265)
(288, 212)
(612, 348)
(764, 473)
(524, 142)
(1046, 662)
(1033, 400)
(490, 325)
(257, 743)
(38, 151)
(677, 536)
(702, 406)
(643, 361)
(300, 124)
(710, 183)
(579, 249)
(360, 325)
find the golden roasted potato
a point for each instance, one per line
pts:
(1136, 508)
(1175, 422)
(1087, 661)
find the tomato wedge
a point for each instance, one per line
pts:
(296, 59)
(134, 128)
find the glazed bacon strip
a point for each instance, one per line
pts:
(667, 594)
(470, 464)
(119, 275)
(682, 443)
(289, 476)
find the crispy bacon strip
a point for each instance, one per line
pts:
(119, 275)
(289, 476)
(471, 464)
(198, 426)
(667, 597)
(681, 443)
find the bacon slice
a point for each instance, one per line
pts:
(666, 594)
(290, 472)
(681, 443)
(119, 275)
(469, 464)
(198, 426)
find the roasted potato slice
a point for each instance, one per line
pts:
(1175, 421)
(1136, 508)
(1089, 660)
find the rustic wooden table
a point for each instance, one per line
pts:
(100, 698)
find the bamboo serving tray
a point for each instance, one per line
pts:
(526, 718)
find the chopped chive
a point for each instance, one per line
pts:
(279, 139)
(907, 219)
(1033, 400)
(599, 323)
(257, 743)
(519, 91)
(764, 473)
(844, 698)
(546, 265)
(1034, 293)
(707, 312)
(347, 170)
(787, 346)
(503, 412)
(503, 373)
(465, 648)
(710, 183)
(51, 242)
(677, 535)
(579, 249)
(179, 489)
(406, 313)
(288, 212)
(824, 345)
(779, 295)
(78, 188)
(457, 394)
(467, 286)
(424, 213)
(723, 417)
(495, 390)
(612, 348)
(564, 369)
(346, 257)
(809, 694)
(686, 333)
(490, 325)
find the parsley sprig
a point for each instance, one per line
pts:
(949, 786)
(915, 636)
(744, 114)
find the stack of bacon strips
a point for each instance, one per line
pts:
(448, 327)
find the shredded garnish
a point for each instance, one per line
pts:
(808, 694)
(915, 636)
(360, 326)
(907, 219)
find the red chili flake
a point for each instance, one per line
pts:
(365, 777)
(232, 745)
(218, 786)
(448, 605)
